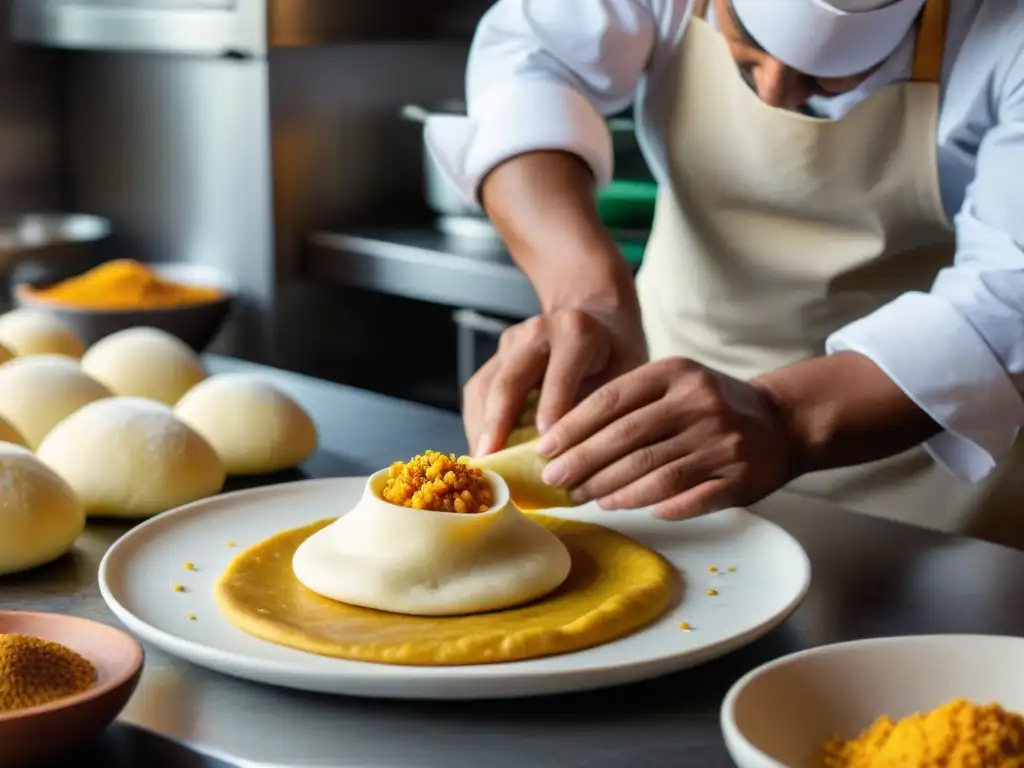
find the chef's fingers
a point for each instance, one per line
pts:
(625, 394)
(578, 351)
(623, 453)
(663, 483)
(474, 400)
(703, 499)
(520, 370)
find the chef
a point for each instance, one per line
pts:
(832, 297)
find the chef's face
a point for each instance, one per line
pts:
(777, 84)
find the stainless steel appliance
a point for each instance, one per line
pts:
(224, 131)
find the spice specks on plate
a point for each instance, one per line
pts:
(231, 544)
(180, 588)
(191, 617)
(189, 565)
(712, 569)
(685, 626)
(712, 592)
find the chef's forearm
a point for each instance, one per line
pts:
(542, 204)
(841, 410)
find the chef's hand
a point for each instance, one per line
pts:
(565, 352)
(672, 434)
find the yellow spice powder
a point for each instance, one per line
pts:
(437, 482)
(34, 672)
(124, 284)
(958, 734)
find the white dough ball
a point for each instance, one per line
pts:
(130, 457)
(39, 391)
(144, 362)
(40, 516)
(35, 332)
(256, 428)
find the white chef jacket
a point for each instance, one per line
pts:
(543, 73)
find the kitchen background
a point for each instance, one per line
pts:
(279, 141)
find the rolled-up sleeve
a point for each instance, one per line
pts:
(542, 74)
(958, 351)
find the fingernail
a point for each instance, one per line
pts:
(546, 446)
(554, 473)
(483, 445)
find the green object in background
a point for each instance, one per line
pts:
(633, 252)
(627, 204)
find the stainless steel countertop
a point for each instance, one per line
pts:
(871, 577)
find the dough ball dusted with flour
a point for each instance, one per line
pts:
(34, 332)
(254, 426)
(144, 362)
(130, 457)
(40, 515)
(39, 391)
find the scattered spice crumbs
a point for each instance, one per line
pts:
(189, 565)
(712, 592)
(732, 569)
(685, 626)
(179, 588)
(191, 617)
(712, 569)
(231, 543)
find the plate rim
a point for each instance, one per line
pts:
(219, 660)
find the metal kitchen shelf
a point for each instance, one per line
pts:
(427, 265)
(235, 27)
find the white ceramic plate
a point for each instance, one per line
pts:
(138, 575)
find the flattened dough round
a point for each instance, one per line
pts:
(256, 428)
(615, 587)
(144, 362)
(35, 332)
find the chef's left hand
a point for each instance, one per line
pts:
(672, 434)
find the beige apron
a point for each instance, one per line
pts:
(776, 229)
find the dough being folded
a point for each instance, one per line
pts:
(520, 466)
(427, 563)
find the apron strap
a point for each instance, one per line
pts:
(931, 42)
(700, 8)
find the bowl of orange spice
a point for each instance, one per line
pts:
(63, 679)
(190, 301)
(898, 702)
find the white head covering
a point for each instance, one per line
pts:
(828, 38)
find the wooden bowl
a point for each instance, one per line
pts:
(32, 736)
(195, 324)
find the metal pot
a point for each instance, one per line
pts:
(50, 238)
(444, 197)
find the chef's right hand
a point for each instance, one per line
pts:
(566, 353)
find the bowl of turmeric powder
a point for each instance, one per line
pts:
(190, 301)
(63, 679)
(914, 701)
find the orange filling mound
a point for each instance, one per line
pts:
(437, 482)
